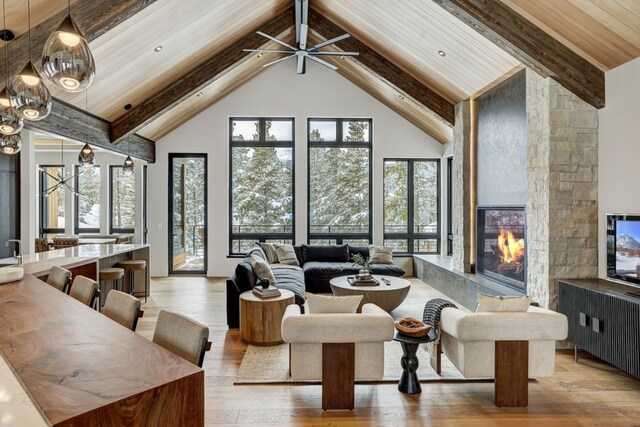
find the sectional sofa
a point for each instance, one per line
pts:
(318, 265)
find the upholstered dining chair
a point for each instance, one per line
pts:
(122, 308)
(182, 336)
(84, 290)
(42, 245)
(59, 278)
(64, 242)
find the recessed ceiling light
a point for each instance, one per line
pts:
(259, 55)
(199, 94)
(401, 96)
(128, 107)
(342, 57)
(157, 48)
(442, 53)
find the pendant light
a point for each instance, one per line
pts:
(128, 168)
(66, 58)
(11, 144)
(28, 95)
(86, 157)
(10, 122)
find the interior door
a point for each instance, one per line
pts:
(178, 227)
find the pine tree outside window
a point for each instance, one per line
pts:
(339, 166)
(122, 197)
(52, 204)
(412, 205)
(261, 176)
(87, 218)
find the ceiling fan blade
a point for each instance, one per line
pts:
(267, 50)
(275, 40)
(304, 34)
(278, 60)
(301, 64)
(328, 42)
(335, 53)
(325, 63)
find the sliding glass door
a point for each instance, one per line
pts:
(187, 213)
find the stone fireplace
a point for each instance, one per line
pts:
(501, 251)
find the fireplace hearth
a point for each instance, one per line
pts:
(501, 251)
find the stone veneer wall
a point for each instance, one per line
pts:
(461, 186)
(562, 188)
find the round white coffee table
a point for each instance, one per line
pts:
(387, 297)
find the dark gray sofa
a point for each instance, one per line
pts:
(319, 264)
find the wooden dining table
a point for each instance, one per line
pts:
(80, 368)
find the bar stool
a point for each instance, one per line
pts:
(111, 274)
(130, 267)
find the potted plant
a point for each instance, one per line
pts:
(363, 263)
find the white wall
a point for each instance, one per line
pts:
(277, 92)
(618, 149)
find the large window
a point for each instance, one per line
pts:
(52, 209)
(87, 218)
(122, 197)
(339, 181)
(261, 176)
(412, 205)
(450, 206)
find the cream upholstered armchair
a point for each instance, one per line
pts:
(337, 348)
(508, 346)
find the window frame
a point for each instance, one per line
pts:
(339, 143)
(112, 229)
(76, 199)
(411, 235)
(42, 178)
(450, 205)
(262, 142)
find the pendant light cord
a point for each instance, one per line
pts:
(29, 23)
(6, 47)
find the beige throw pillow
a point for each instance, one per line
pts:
(381, 254)
(332, 304)
(489, 303)
(261, 269)
(286, 254)
(270, 251)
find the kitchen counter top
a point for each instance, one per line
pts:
(83, 251)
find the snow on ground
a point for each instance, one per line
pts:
(626, 264)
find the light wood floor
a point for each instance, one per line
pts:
(589, 393)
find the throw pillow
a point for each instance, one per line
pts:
(270, 251)
(286, 254)
(325, 253)
(262, 269)
(245, 276)
(257, 251)
(332, 304)
(381, 254)
(489, 303)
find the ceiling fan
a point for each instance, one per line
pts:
(303, 50)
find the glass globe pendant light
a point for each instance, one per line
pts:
(10, 122)
(66, 58)
(11, 144)
(86, 157)
(28, 95)
(128, 168)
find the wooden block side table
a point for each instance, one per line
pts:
(261, 319)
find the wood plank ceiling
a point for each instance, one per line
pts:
(408, 33)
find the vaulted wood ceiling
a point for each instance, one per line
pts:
(406, 33)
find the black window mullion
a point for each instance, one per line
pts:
(410, 202)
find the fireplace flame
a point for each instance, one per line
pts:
(511, 250)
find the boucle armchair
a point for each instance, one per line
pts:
(508, 346)
(337, 348)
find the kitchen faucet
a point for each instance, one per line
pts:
(19, 255)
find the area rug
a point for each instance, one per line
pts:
(270, 365)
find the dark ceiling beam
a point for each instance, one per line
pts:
(93, 17)
(69, 121)
(385, 68)
(531, 46)
(195, 80)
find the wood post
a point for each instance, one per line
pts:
(512, 374)
(435, 356)
(338, 375)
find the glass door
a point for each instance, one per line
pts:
(187, 213)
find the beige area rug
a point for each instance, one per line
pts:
(265, 365)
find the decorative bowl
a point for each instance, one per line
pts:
(412, 327)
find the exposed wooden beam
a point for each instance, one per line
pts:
(93, 17)
(68, 121)
(385, 68)
(531, 46)
(195, 80)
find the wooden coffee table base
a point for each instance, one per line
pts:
(387, 297)
(260, 319)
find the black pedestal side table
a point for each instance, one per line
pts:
(409, 382)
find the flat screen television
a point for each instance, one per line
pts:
(623, 247)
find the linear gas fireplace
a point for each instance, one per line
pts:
(501, 252)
